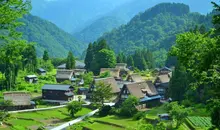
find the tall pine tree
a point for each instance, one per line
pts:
(46, 55)
(70, 61)
(89, 57)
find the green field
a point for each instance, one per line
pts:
(33, 120)
(201, 122)
(99, 126)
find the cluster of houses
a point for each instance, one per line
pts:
(149, 93)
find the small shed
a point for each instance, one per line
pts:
(164, 116)
(31, 78)
(18, 98)
(57, 93)
(82, 91)
(41, 71)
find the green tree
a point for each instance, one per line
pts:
(139, 60)
(74, 107)
(101, 93)
(70, 61)
(178, 113)
(178, 84)
(128, 108)
(130, 61)
(29, 58)
(46, 55)
(106, 59)
(89, 57)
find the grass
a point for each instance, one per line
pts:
(99, 126)
(153, 113)
(45, 118)
(116, 120)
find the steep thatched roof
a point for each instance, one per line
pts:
(109, 81)
(64, 74)
(114, 72)
(135, 78)
(164, 78)
(141, 89)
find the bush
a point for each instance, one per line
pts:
(105, 110)
(41, 128)
(139, 115)
(187, 103)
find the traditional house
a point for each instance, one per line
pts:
(114, 72)
(162, 84)
(31, 78)
(57, 93)
(107, 81)
(41, 71)
(144, 91)
(134, 78)
(82, 91)
(164, 70)
(63, 75)
(78, 65)
(123, 69)
(18, 98)
(78, 72)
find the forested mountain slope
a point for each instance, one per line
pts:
(48, 36)
(155, 29)
(125, 12)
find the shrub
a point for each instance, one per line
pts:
(105, 110)
(139, 115)
(41, 128)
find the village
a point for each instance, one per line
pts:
(122, 81)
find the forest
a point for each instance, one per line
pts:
(156, 30)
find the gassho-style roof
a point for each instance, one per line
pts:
(56, 87)
(141, 89)
(78, 65)
(64, 74)
(114, 72)
(165, 68)
(109, 81)
(164, 78)
(41, 70)
(135, 78)
(31, 76)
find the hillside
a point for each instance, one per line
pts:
(124, 13)
(48, 36)
(155, 29)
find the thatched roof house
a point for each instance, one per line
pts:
(114, 72)
(135, 78)
(78, 65)
(18, 98)
(144, 91)
(63, 75)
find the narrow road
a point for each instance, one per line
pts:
(67, 124)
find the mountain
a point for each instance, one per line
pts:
(72, 15)
(123, 14)
(155, 29)
(48, 36)
(76, 15)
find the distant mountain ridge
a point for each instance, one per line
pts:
(126, 12)
(49, 37)
(155, 29)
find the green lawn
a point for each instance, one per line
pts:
(99, 126)
(117, 120)
(39, 118)
(153, 113)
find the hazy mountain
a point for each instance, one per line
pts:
(122, 14)
(71, 15)
(48, 36)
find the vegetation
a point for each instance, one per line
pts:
(70, 61)
(74, 107)
(98, 56)
(128, 108)
(101, 93)
(48, 36)
(155, 29)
